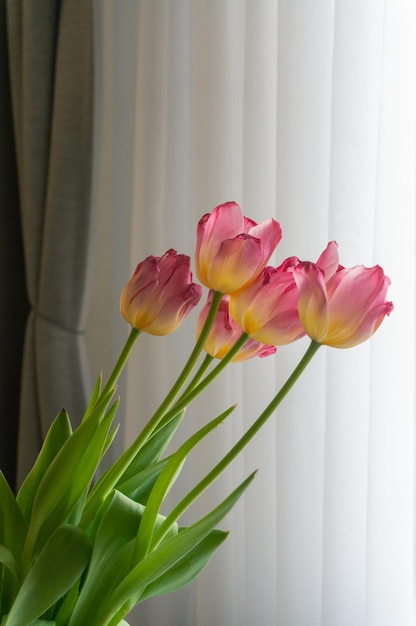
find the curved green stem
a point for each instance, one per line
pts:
(113, 473)
(121, 361)
(237, 448)
(198, 375)
(189, 365)
(188, 396)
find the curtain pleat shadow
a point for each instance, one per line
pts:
(13, 300)
(50, 54)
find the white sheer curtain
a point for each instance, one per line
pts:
(304, 110)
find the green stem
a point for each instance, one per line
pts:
(199, 374)
(188, 396)
(194, 382)
(122, 359)
(189, 365)
(113, 473)
(237, 448)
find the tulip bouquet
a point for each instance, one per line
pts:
(78, 550)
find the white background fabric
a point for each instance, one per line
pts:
(304, 110)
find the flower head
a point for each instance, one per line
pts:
(160, 294)
(268, 309)
(231, 249)
(225, 332)
(341, 307)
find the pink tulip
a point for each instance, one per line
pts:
(341, 307)
(160, 294)
(232, 250)
(268, 309)
(225, 332)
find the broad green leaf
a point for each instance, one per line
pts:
(164, 483)
(13, 527)
(9, 579)
(118, 472)
(158, 562)
(111, 559)
(63, 614)
(187, 568)
(60, 563)
(111, 556)
(66, 480)
(58, 433)
(8, 559)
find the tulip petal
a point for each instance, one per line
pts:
(329, 260)
(268, 309)
(270, 234)
(160, 293)
(357, 304)
(236, 264)
(313, 303)
(172, 312)
(225, 222)
(274, 312)
(231, 249)
(347, 337)
(282, 329)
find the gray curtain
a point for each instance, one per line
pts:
(50, 70)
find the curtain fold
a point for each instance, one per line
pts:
(50, 59)
(306, 113)
(13, 299)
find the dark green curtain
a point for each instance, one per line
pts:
(46, 219)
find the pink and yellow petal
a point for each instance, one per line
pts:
(270, 234)
(342, 336)
(354, 292)
(328, 261)
(312, 303)
(237, 263)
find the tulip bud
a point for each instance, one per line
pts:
(232, 250)
(341, 307)
(268, 309)
(160, 294)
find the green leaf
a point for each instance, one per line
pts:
(13, 527)
(158, 562)
(165, 481)
(118, 473)
(153, 448)
(63, 610)
(7, 558)
(60, 563)
(58, 433)
(139, 486)
(110, 438)
(111, 557)
(66, 480)
(188, 568)
(110, 560)
(94, 397)
(9, 579)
